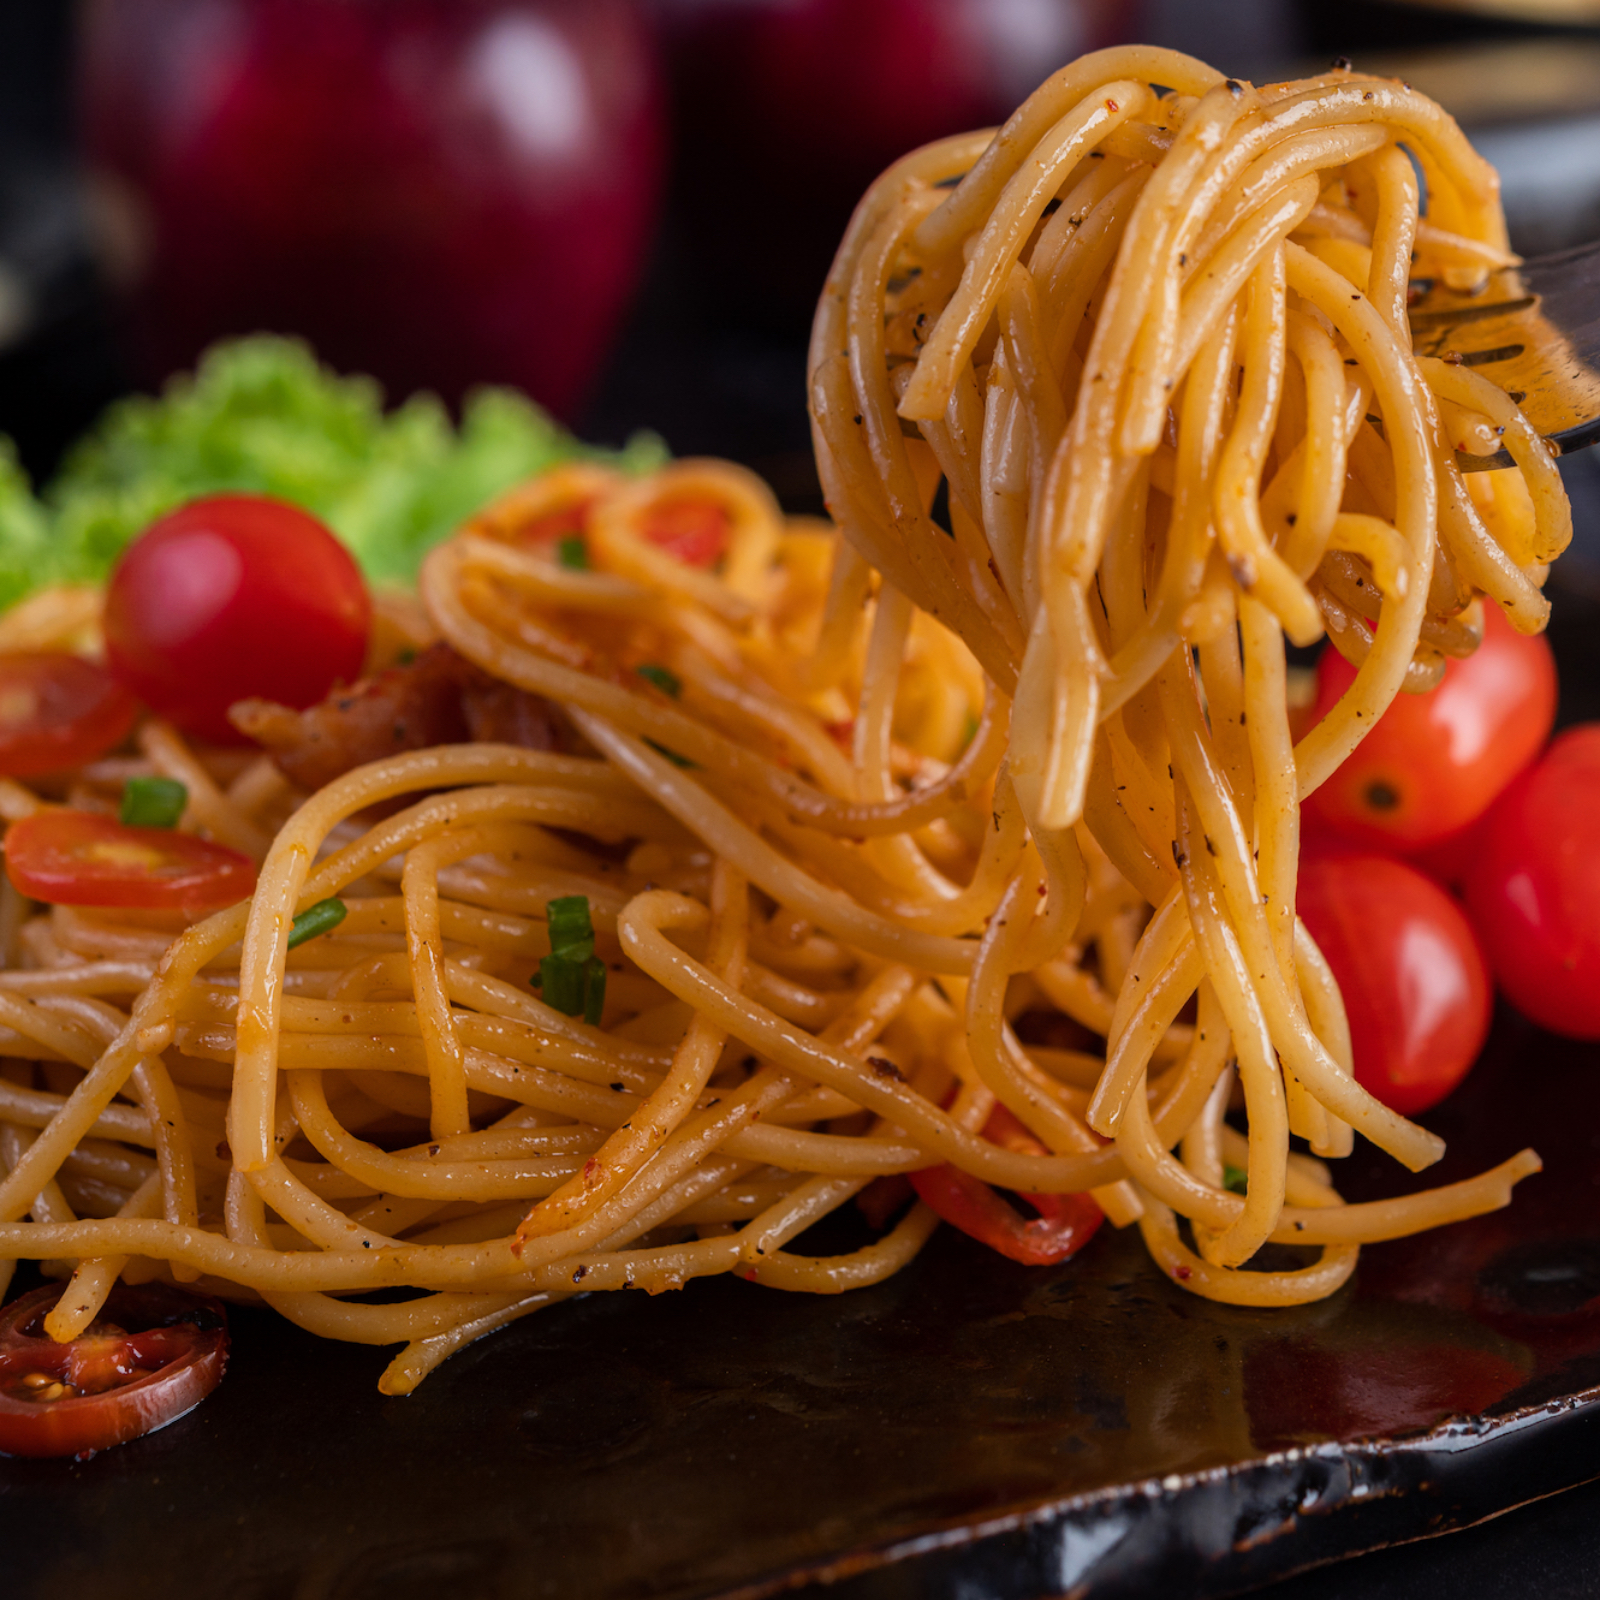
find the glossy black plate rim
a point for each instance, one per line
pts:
(1227, 1530)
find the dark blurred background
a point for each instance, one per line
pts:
(626, 208)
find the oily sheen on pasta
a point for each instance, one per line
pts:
(879, 791)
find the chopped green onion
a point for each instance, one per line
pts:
(153, 802)
(1234, 1179)
(594, 998)
(666, 680)
(576, 988)
(571, 930)
(323, 917)
(561, 981)
(969, 730)
(671, 755)
(573, 553)
(572, 978)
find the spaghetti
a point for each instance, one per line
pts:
(847, 811)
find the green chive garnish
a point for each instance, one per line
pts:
(576, 988)
(666, 680)
(324, 916)
(573, 553)
(561, 982)
(153, 802)
(571, 929)
(671, 755)
(1234, 1179)
(572, 978)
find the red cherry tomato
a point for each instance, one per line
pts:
(1534, 887)
(570, 521)
(1415, 985)
(153, 1353)
(230, 597)
(694, 532)
(1434, 762)
(76, 858)
(58, 711)
(1064, 1225)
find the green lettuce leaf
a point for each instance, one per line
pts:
(262, 415)
(28, 555)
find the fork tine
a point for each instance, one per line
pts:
(1535, 329)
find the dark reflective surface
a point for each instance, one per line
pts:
(713, 1441)
(719, 1439)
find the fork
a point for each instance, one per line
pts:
(1535, 330)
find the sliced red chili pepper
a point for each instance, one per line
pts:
(1065, 1223)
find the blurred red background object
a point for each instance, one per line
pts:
(785, 110)
(439, 192)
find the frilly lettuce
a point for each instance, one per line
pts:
(28, 555)
(260, 414)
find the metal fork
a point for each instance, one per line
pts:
(1534, 330)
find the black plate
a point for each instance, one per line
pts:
(969, 1429)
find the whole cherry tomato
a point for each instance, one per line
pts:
(1533, 887)
(153, 1353)
(78, 858)
(58, 711)
(1416, 987)
(232, 597)
(1434, 762)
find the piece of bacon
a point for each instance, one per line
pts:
(439, 698)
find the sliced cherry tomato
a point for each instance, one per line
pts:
(694, 532)
(1434, 762)
(1416, 987)
(230, 598)
(58, 711)
(1064, 1225)
(570, 521)
(76, 858)
(154, 1353)
(1534, 887)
